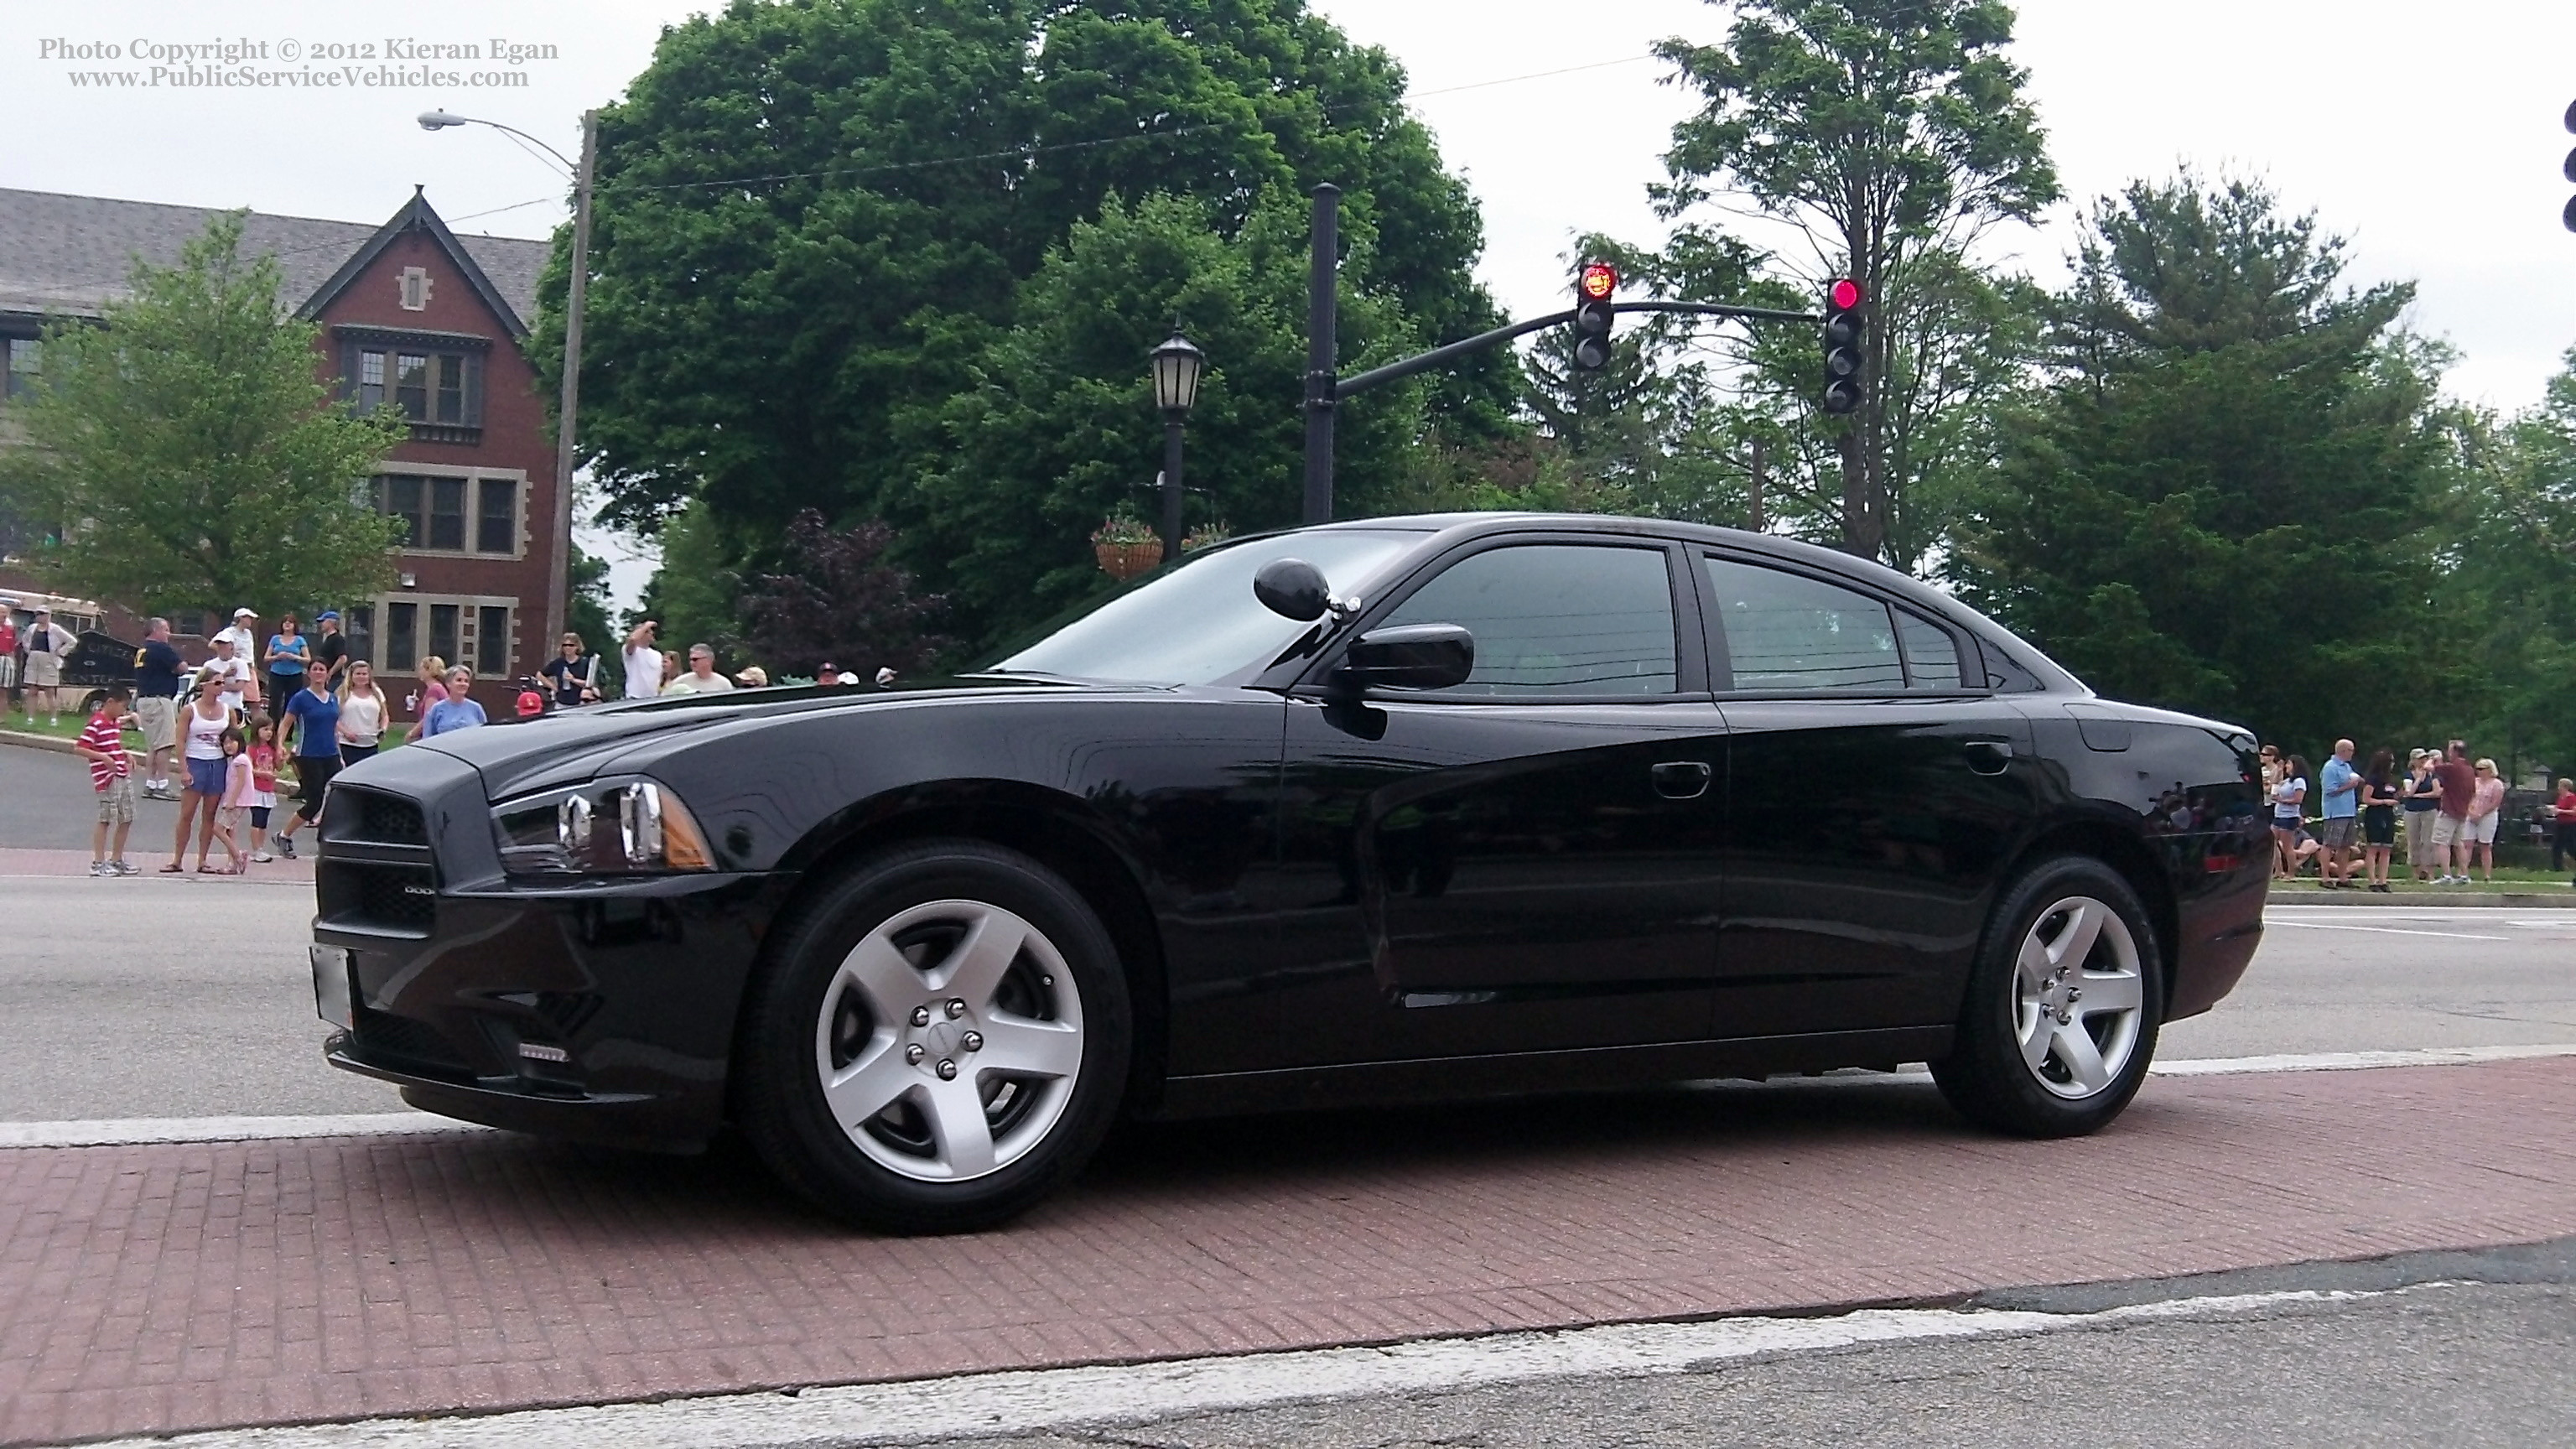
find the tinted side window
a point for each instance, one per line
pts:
(1557, 619)
(1931, 655)
(1786, 631)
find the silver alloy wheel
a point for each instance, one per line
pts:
(949, 1041)
(2077, 991)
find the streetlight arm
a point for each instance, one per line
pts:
(441, 120)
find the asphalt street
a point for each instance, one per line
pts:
(2474, 1352)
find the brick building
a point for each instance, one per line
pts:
(411, 314)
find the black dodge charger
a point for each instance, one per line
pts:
(1408, 808)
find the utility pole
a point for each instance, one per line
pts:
(1322, 320)
(559, 574)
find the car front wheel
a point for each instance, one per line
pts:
(941, 1040)
(2060, 1019)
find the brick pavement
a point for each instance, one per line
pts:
(165, 1288)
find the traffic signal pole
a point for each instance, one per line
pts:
(1323, 322)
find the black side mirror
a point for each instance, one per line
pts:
(1294, 588)
(1412, 656)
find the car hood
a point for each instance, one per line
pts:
(517, 757)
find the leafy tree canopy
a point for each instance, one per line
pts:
(822, 226)
(1888, 134)
(2219, 503)
(189, 452)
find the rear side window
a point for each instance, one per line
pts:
(1556, 619)
(1931, 654)
(1787, 631)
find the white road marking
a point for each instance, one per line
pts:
(145, 1131)
(986, 1405)
(136, 1131)
(2389, 931)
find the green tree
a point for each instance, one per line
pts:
(2221, 502)
(2507, 594)
(1889, 134)
(820, 223)
(188, 453)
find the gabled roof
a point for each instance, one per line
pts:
(418, 215)
(71, 254)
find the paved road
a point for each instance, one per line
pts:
(177, 997)
(2447, 1348)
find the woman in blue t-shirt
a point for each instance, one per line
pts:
(288, 653)
(456, 712)
(312, 716)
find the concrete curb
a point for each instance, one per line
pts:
(2563, 900)
(49, 742)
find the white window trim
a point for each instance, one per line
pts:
(473, 506)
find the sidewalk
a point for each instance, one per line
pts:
(157, 1289)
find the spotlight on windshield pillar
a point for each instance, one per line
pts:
(1592, 314)
(1843, 337)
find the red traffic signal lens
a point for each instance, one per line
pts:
(1844, 294)
(1600, 279)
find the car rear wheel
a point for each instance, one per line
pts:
(2062, 1007)
(940, 1041)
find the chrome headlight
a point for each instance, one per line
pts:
(607, 827)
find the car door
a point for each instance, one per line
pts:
(1528, 860)
(1875, 792)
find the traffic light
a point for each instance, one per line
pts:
(2569, 215)
(1842, 338)
(1592, 316)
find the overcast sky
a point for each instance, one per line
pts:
(2428, 134)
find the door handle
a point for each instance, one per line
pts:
(1681, 779)
(1989, 757)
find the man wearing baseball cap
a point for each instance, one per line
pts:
(331, 651)
(244, 637)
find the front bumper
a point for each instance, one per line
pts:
(601, 1010)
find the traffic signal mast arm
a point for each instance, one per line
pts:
(1425, 361)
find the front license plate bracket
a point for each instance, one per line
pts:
(332, 992)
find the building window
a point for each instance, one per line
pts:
(189, 621)
(433, 510)
(444, 637)
(433, 389)
(496, 523)
(24, 362)
(415, 289)
(447, 514)
(358, 621)
(492, 641)
(402, 638)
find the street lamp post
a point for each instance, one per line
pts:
(559, 572)
(1178, 365)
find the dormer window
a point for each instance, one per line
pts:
(415, 289)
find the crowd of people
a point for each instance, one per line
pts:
(2445, 807)
(219, 736)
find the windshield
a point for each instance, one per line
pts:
(1199, 623)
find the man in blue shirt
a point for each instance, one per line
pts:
(157, 668)
(2341, 785)
(312, 722)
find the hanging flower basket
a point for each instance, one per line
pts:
(1206, 535)
(1126, 548)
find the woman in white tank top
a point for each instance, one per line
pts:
(205, 765)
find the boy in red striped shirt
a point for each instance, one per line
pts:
(111, 777)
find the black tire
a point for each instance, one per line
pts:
(780, 1098)
(1987, 1076)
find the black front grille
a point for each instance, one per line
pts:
(399, 1040)
(373, 818)
(373, 896)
